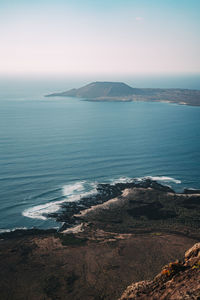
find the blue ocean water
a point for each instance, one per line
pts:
(54, 150)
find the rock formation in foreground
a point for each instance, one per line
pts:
(102, 249)
(177, 280)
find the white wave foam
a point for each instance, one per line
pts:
(156, 178)
(78, 190)
(71, 188)
(73, 192)
(122, 179)
(37, 212)
(163, 178)
(10, 230)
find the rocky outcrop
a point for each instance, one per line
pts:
(124, 233)
(104, 192)
(87, 263)
(177, 280)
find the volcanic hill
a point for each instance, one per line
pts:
(119, 91)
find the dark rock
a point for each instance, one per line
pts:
(191, 191)
(104, 193)
(25, 232)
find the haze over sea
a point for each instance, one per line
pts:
(56, 149)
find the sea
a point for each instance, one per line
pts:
(54, 150)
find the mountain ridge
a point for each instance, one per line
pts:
(177, 280)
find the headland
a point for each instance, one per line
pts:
(123, 234)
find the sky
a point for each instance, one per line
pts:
(99, 37)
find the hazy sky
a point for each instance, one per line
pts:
(99, 36)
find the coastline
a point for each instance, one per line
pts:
(112, 197)
(85, 266)
(110, 99)
(102, 248)
(121, 92)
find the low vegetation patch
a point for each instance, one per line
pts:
(71, 239)
(173, 268)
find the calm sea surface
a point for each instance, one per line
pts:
(54, 150)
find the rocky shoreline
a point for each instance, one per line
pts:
(177, 280)
(123, 234)
(69, 210)
(70, 214)
(104, 192)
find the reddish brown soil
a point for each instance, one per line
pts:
(41, 268)
(179, 280)
(124, 240)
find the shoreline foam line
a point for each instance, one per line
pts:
(75, 191)
(163, 178)
(72, 192)
(2, 230)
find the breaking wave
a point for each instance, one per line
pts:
(124, 179)
(74, 192)
(70, 192)
(11, 230)
(163, 178)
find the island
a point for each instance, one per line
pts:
(119, 91)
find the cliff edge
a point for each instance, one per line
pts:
(177, 280)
